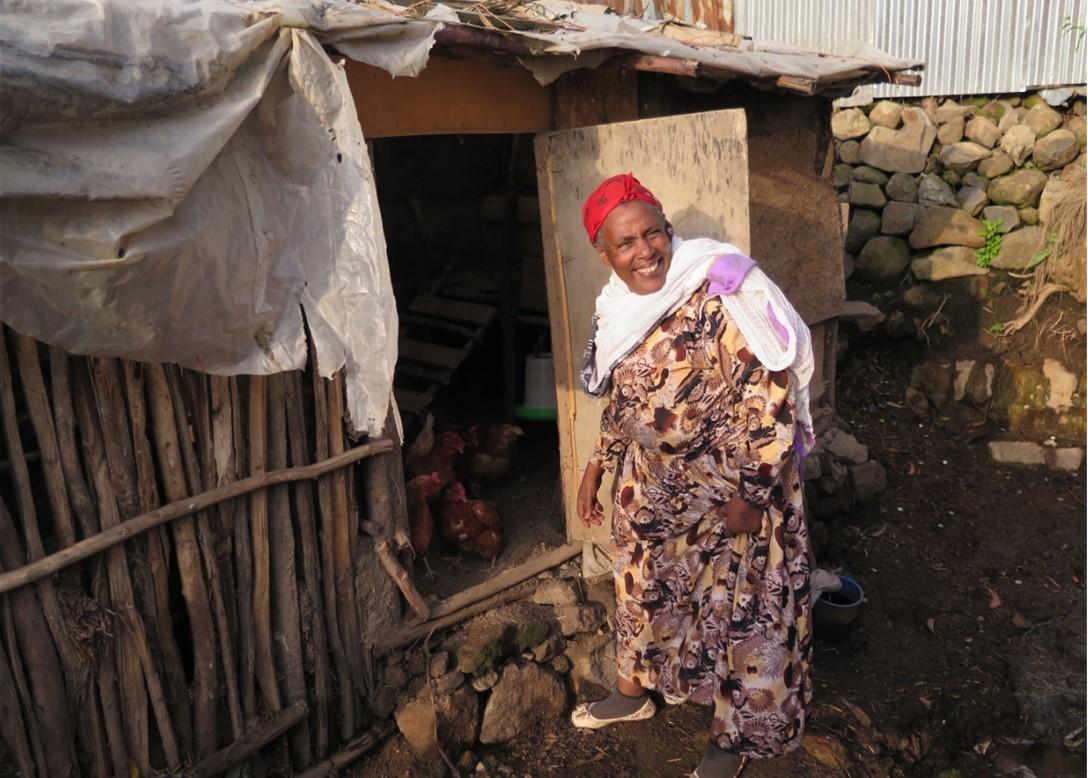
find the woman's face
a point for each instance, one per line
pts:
(635, 243)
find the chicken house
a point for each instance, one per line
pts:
(231, 233)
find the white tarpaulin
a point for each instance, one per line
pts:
(182, 182)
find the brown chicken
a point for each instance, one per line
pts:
(491, 449)
(441, 458)
(419, 492)
(473, 526)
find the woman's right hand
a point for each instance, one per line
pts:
(590, 510)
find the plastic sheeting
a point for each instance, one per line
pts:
(184, 182)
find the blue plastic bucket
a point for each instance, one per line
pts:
(834, 613)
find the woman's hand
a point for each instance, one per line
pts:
(590, 510)
(741, 517)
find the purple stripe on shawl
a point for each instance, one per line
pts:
(728, 272)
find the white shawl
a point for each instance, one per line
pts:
(623, 319)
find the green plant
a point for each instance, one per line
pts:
(991, 236)
(996, 328)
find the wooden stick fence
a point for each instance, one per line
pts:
(158, 527)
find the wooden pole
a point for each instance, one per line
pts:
(106, 539)
(160, 625)
(328, 564)
(352, 752)
(243, 562)
(284, 584)
(205, 688)
(258, 529)
(250, 742)
(310, 596)
(12, 725)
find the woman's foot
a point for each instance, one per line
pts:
(613, 709)
(718, 763)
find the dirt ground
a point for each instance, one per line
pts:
(969, 657)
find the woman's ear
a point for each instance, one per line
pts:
(668, 229)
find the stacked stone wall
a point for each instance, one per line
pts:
(925, 180)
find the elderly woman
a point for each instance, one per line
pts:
(706, 367)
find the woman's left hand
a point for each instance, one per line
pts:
(741, 517)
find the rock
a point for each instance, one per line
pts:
(1057, 189)
(951, 177)
(902, 187)
(593, 663)
(899, 326)
(1056, 150)
(882, 260)
(1069, 459)
(561, 664)
(557, 591)
(526, 696)
(886, 114)
(870, 480)
(1005, 214)
(932, 190)
(448, 682)
(975, 180)
(950, 110)
(1063, 385)
(551, 647)
(996, 165)
(949, 262)
(1029, 216)
(458, 717)
(866, 195)
(963, 156)
(934, 380)
(850, 152)
(440, 664)
(1018, 143)
(983, 131)
(1033, 100)
(845, 447)
(974, 382)
(916, 403)
(864, 224)
(486, 681)
(1017, 452)
(575, 619)
(840, 176)
(851, 123)
(1079, 127)
(904, 150)
(1018, 248)
(899, 218)
(994, 110)
(950, 132)
(1020, 188)
(828, 751)
(922, 297)
(973, 200)
(862, 315)
(946, 227)
(1079, 108)
(1042, 120)
(869, 175)
(1008, 121)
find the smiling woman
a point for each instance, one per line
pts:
(706, 366)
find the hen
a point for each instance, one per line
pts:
(440, 458)
(473, 526)
(491, 449)
(419, 492)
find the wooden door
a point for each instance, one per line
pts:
(697, 165)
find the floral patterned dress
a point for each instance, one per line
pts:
(693, 419)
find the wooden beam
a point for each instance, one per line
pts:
(251, 741)
(138, 524)
(449, 97)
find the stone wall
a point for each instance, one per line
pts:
(923, 179)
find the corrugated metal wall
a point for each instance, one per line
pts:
(969, 46)
(714, 14)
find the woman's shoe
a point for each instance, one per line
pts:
(582, 718)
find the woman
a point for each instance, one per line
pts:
(706, 366)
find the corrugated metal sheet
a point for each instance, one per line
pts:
(969, 46)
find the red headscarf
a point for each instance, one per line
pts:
(612, 192)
